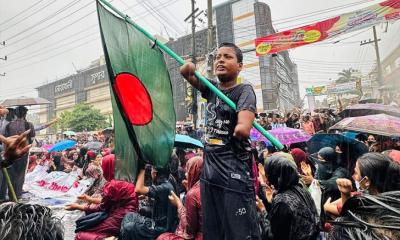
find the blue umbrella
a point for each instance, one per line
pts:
(62, 145)
(184, 141)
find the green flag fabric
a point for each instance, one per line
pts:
(141, 93)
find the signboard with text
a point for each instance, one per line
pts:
(379, 13)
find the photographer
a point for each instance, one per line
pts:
(164, 214)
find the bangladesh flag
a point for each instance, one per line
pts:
(141, 94)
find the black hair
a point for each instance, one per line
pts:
(369, 217)
(11, 114)
(162, 174)
(380, 170)
(362, 137)
(238, 52)
(21, 111)
(20, 221)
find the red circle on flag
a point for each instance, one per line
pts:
(134, 98)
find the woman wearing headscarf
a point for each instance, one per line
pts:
(108, 166)
(190, 214)
(293, 214)
(329, 169)
(119, 198)
(299, 156)
(94, 193)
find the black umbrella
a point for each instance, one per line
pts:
(358, 110)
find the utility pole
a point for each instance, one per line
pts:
(5, 59)
(194, 92)
(210, 39)
(378, 58)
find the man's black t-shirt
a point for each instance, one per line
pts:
(222, 119)
(227, 160)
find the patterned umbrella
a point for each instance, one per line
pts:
(369, 109)
(380, 124)
(285, 135)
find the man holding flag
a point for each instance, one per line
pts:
(227, 190)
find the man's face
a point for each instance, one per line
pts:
(226, 65)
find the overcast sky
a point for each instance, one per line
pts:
(68, 38)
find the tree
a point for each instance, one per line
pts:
(85, 118)
(347, 75)
(65, 117)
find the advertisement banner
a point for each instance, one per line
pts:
(342, 88)
(316, 91)
(333, 27)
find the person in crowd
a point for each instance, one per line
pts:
(308, 125)
(373, 217)
(32, 161)
(164, 214)
(78, 160)
(108, 166)
(293, 120)
(18, 169)
(227, 190)
(361, 137)
(374, 173)
(55, 163)
(95, 190)
(329, 169)
(22, 221)
(190, 214)
(299, 157)
(292, 214)
(118, 199)
(6, 116)
(277, 122)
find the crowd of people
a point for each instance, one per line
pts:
(231, 189)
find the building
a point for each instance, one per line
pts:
(89, 85)
(391, 70)
(181, 88)
(274, 78)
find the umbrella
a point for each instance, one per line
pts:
(369, 109)
(36, 150)
(93, 145)
(62, 146)
(24, 101)
(380, 124)
(108, 131)
(69, 133)
(184, 141)
(285, 135)
(351, 148)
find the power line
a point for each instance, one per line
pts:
(35, 12)
(23, 11)
(84, 30)
(41, 52)
(44, 20)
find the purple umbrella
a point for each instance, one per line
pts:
(380, 124)
(285, 135)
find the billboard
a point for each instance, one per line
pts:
(330, 28)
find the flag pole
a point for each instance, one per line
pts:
(10, 186)
(203, 80)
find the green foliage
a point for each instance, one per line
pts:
(83, 118)
(347, 75)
